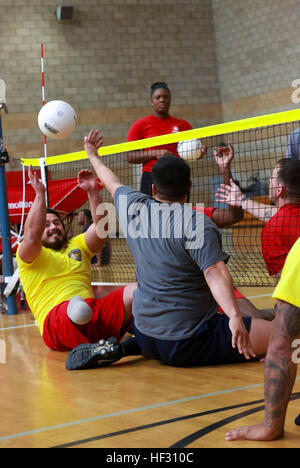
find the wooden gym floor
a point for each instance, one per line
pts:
(136, 403)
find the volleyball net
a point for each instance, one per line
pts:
(258, 144)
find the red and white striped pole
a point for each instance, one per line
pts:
(43, 93)
(44, 171)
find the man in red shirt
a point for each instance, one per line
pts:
(223, 217)
(282, 220)
(159, 123)
(279, 235)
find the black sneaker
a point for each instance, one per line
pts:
(297, 420)
(91, 356)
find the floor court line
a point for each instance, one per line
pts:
(134, 410)
(120, 413)
(125, 412)
(260, 295)
(19, 326)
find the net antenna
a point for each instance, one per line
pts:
(3, 96)
(42, 162)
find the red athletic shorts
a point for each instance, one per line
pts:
(60, 334)
(237, 294)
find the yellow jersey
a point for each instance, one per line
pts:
(56, 276)
(288, 289)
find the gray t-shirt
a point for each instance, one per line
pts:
(293, 149)
(172, 246)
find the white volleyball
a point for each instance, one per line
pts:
(57, 120)
(190, 150)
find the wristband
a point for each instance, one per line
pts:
(242, 200)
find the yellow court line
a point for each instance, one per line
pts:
(212, 130)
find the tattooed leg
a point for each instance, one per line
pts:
(280, 374)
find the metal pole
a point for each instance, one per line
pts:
(8, 268)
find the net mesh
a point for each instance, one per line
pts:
(256, 152)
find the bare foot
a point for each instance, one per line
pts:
(257, 432)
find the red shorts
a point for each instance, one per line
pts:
(60, 334)
(237, 294)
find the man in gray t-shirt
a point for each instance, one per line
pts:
(172, 299)
(293, 149)
(181, 273)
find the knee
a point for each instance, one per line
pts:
(79, 312)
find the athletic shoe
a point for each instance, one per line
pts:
(91, 356)
(297, 420)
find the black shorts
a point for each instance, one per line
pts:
(146, 183)
(211, 345)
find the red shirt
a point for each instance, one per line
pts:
(207, 211)
(152, 126)
(279, 235)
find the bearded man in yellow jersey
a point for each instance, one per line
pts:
(56, 276)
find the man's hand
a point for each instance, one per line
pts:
(224, 155)
(202, 152)
(230, 194)
(87, 180)
(92, 143)
(35, 181)
(240, 337)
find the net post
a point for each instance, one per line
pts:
(44, 177)
(44, 169)
(8, 268)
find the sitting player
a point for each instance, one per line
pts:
(282, 227)
(227, 217)
(56, 276)
(179, 287)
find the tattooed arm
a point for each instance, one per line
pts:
(232, 195)
(280, 370)
(280, 375)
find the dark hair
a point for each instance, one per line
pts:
(158, 85)
(56, 213)
(171, 177)
(289, 175)
(88, 214)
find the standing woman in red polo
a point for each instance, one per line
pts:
(156, 124)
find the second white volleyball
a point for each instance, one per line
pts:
(57, 120)
(190, 150)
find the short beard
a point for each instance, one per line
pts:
(58, 245)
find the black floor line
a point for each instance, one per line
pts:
(192, 437)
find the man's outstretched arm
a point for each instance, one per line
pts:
(232, 195)
(108, 178)
(226, 217)
(87, 181)
(31, 245)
